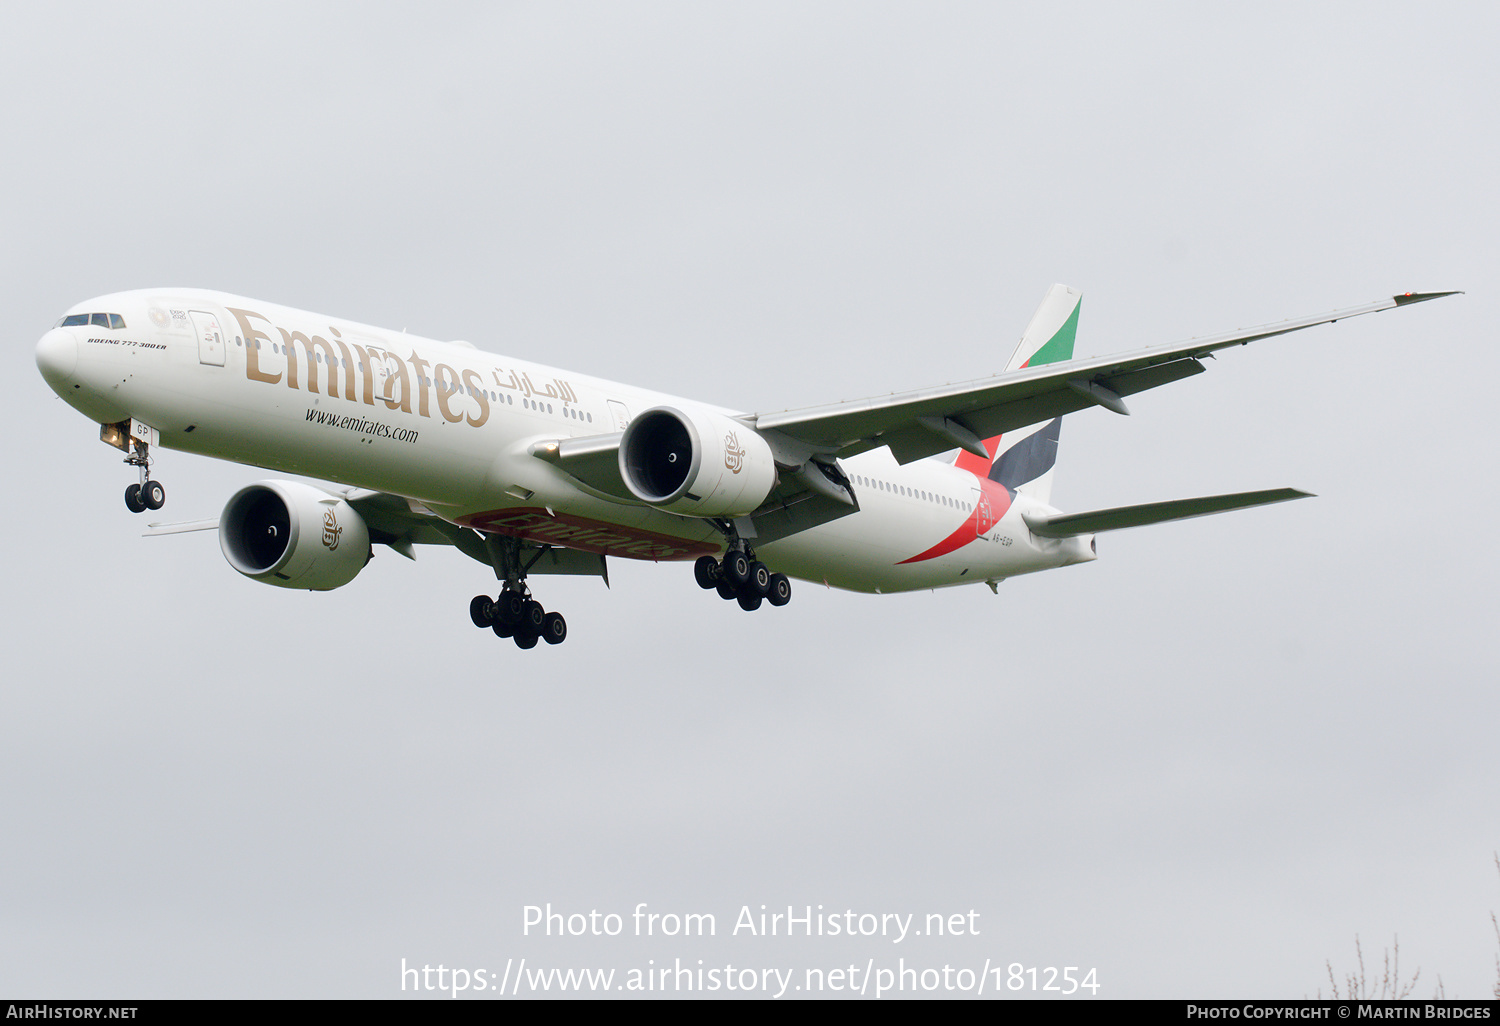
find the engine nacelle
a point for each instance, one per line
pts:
(699, 464)
(293, 536)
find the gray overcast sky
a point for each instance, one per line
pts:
(1202, 765)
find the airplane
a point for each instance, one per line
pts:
(533, 470)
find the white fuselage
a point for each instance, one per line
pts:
(452, 427)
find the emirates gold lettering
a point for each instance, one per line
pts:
(253, 338)
(302, 355)
(445, 381)
(734, 453)
(331, 530)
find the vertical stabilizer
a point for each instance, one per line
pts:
(1023, 459)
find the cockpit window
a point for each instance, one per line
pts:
(103, 320)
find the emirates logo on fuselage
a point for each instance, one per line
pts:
(734, 454)
(331, 530)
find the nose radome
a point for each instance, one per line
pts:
(57, 357)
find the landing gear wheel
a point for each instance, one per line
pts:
(736, 567)
(525, 639)
(781, 590)
(153, 495)
(532, 617)
(482, 611)
(554, 629)
(749, 600)
(502, 630)
(726, 590)
(706, 570)
(508, 608)
(133, 499)
(760, 578)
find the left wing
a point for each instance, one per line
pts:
(400, 523)
(928, 421)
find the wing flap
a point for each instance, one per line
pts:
(1065, 525)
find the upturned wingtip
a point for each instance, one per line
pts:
(1407, 298)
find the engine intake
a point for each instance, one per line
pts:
(699, 464)
(293, 536)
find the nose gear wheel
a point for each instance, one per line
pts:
(147, 494)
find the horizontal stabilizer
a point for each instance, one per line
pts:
(1092, 522)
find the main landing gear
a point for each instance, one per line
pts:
(148, 494)
(514, 613)
(740, 576)
(518, 616)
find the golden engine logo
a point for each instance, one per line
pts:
(331, 530)
(734, 454)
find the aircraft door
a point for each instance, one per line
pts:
(620, 414)
(210, 338)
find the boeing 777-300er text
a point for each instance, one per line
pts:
(534, 470)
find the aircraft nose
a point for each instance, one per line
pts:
(57, 357)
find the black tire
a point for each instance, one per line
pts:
(749, 601)
(706, 570)
(726, 590)
(508, 608)
(532, 616)
(482, 611)
(554, 629)
(502, 630)
(781, 590)
(133, 499)
(153, 495)
(736, 568)
(760, 579)
(525, 639)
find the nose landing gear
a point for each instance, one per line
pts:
(136, 441)
(146, 495)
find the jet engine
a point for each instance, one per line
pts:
(699, 464)
(293, 536)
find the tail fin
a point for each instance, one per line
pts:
(1022, 461)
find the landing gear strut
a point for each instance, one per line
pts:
(148, 494)
(514, 613)
(740, 576)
